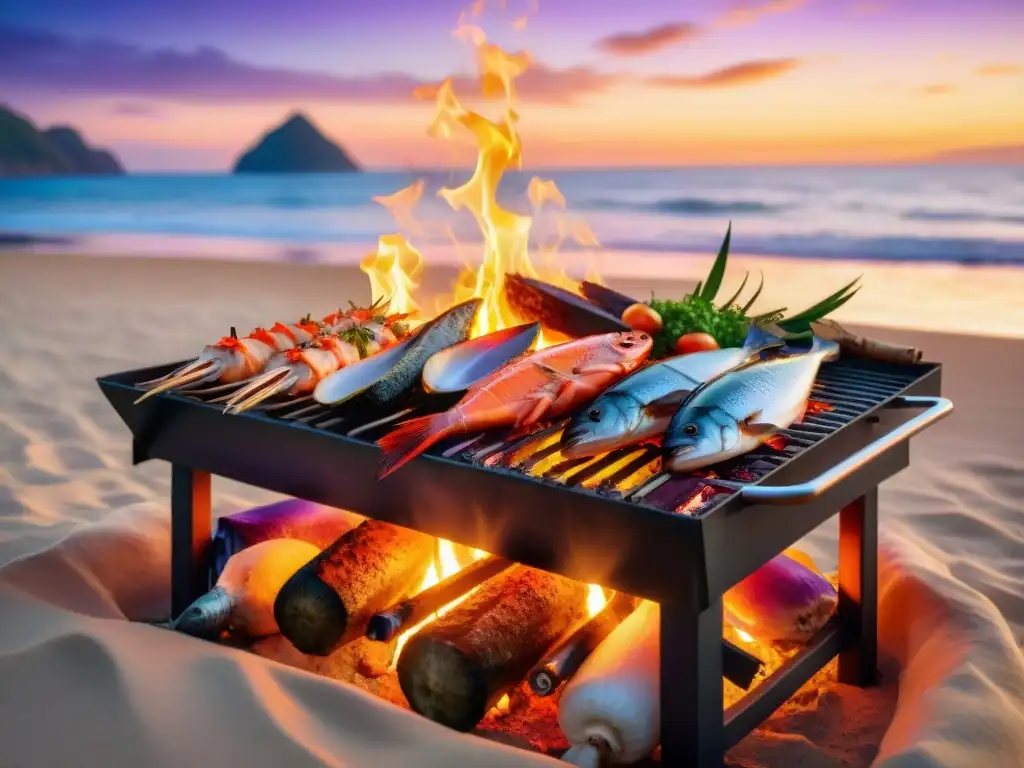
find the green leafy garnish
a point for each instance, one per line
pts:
(714, 278)
(359, 336)
(729, 323)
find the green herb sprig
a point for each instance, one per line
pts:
(729, 322)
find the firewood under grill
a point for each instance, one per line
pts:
(331, 598)
(457, 667)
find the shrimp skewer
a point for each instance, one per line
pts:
(298, 370)
(234, 361)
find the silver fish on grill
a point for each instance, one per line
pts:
(735, 413)
(641, 406)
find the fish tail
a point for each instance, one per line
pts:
(760, 338)
(827, 350)
(410, 439)
(208, 616)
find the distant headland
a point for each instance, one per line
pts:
(295, 146)
(25, 150)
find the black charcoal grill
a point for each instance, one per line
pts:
(616, 520)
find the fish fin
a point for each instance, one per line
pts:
(541, 403)
(554, 373)
(777, 442)
(751, 425)
(827, 350)
(759, 338)
(586, 370)
(757, 428)
(410, 439)
(667, 405)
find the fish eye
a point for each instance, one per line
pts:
(644, 337)
(594, 414)
(690, 429)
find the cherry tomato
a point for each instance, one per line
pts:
(695, 342)
(641, 317)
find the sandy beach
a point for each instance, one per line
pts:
(953, 527)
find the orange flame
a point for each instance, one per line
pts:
(393, 269)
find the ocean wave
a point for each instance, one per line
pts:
(967, 251)
(686, 206)
(932, 214)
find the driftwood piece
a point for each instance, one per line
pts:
(328, 602)
(457, 667)
(861, 346)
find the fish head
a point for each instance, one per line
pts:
(632, 347)
(603, 426)
(697, 438)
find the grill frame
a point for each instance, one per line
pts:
(684, 563)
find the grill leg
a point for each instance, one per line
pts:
(190, 536)
(692, 722)
(858, 590)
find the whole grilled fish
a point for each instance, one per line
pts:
(745, 407)
(640, 406)
(544, 385)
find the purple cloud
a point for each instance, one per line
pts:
(49, 62)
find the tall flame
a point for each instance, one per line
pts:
(506, 234)
(396, 264)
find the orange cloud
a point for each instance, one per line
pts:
(746, 12)
(937, 89)
(649, 40)
(994, 70)
(744, 73)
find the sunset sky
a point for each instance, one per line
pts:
(186, 85)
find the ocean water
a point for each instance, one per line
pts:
(946, 214)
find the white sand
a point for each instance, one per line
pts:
(79, 685)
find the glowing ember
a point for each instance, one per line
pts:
(744, 636)
(595, 600)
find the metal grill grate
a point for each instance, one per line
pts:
(850, 388)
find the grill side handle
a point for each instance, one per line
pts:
(937, 408)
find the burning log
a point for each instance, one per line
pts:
(329, 600)
(385, 625)
(558, 309)
(562, 663)
(782, 600)
(456, 668)
(861, 346)
(288, 519)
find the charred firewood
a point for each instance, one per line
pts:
(385, 625)
(328, 602)
(558, 309)
(563, 661)
(613, 302)
(456, 668)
